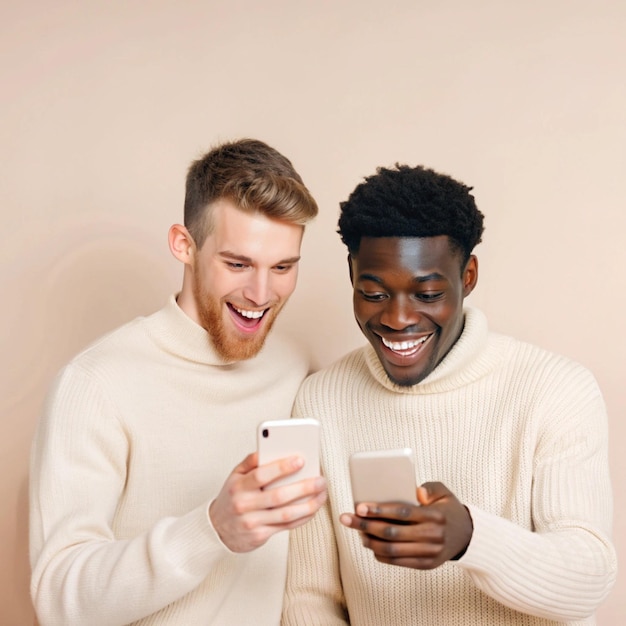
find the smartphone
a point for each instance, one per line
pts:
(278, 439)
(383, 476)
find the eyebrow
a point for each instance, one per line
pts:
(249, 261)
(416, 279)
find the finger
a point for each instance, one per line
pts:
(270, 472)
(355, 521)
(273, 497)
(284, 516)
(247, 465)
(317, 503)
(400, 512)
(424, 533)
(349, 520)
(365, 524)
(398, 550)
(378, 531)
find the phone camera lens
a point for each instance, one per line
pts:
(266, 433)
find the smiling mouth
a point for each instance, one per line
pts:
(405, 348)
(252, 315)
(247, 319)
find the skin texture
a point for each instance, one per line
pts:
(409, 289)
(249, 262)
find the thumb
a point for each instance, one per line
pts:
(248, 464)
(428, 493)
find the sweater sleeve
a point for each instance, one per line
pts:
(314, 594)
(81, 573)
(565, 566)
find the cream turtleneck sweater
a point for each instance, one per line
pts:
(519, 435)
(137, 437)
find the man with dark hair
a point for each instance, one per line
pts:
(137, 514)
(516, 530)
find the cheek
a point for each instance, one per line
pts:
(362, 312)
(451, 320)
(449, 309)
(286, 285)
(221, 284)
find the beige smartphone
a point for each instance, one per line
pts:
(383, 476)
(278, 439)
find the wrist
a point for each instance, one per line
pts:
(468, 533)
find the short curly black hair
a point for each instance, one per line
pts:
(411, 202)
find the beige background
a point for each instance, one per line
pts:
(104, 104)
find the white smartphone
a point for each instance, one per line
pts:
(278, 439)
(383, 476)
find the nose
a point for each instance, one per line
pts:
(400, 313)
(258, 288)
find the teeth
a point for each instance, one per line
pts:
(399, 346)
(253, 315)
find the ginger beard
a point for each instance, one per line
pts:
(230, 343)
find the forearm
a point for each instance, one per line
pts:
(562, 574)
(108, 582)
(556, 561)
(99, 554)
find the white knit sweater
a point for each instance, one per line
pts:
(519, 435)
(138, 435)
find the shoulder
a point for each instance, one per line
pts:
(515, 356)
(108, 359)
(545, 378)
(536, 361)
(111, 345)
(347, 370)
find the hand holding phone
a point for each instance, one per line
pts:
(407, 536)
(243, 514)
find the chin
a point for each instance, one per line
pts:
(243, 350)
(404, 382)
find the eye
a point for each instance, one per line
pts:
(429, 296)
(283, 269)
(236, 266)
(372, 296)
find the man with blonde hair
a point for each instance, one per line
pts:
(137, 515)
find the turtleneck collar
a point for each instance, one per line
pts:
(179, 335)
(470, 358)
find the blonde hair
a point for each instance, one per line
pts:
(254, 176)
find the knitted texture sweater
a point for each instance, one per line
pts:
(519, 435)
(138, 435)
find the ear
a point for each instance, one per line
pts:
(181, 243)
(350, 270)
(470, 275)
